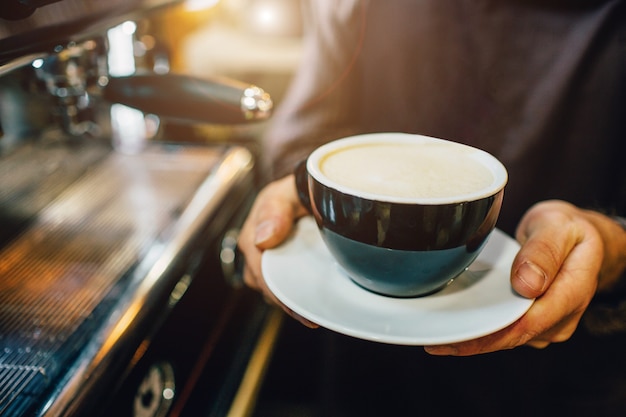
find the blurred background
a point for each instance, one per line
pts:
(129, 138)
(256, 41)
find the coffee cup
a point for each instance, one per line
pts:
(402, 214)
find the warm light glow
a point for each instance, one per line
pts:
(129, 27)
(121, 57)
(273, 17)
(266, 16)
(128, 129)
(197, 5)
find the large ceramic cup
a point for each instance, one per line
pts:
(402, 214)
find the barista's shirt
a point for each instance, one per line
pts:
(541, 85)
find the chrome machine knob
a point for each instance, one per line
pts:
(156, 392)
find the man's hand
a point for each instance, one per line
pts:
(268, 224)
(565, 251)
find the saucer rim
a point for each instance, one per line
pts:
(498, 237)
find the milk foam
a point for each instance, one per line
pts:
(427, 170)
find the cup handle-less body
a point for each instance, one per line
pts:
(398, 249)
(302, 184)
(477, 238)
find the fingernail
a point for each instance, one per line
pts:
(532, 276)
(440, 350)
(264, 231)
(304, 321)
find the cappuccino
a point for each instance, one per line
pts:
(432, 170)
(402, 214)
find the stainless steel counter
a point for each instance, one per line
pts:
(98, 248)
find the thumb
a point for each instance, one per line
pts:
(276, 212)
(272, 230)
(547, 238)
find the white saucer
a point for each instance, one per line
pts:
(304, 276)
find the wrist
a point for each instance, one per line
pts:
(612, 231)
(612, 277)
(606, 314)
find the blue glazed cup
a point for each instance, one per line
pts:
(401, 246)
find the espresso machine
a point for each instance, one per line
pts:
(120, 288)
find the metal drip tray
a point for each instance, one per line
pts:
(32, 176)
(76, 278)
